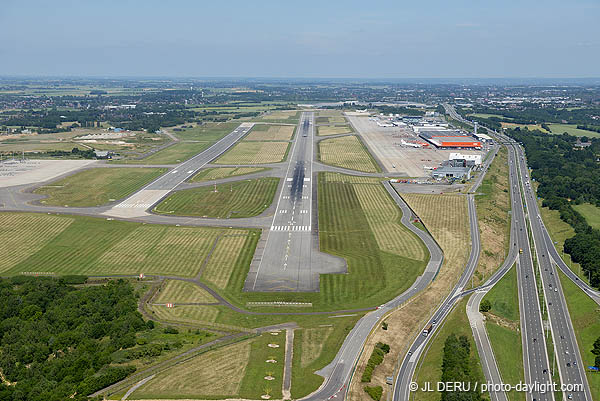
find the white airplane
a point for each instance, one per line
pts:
(361, 111)
(428, 168)
(412, 145)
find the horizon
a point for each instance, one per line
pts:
(389, 41)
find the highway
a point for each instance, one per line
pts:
(566, 350)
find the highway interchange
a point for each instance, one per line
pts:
(292, 234)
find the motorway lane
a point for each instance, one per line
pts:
(568, 358)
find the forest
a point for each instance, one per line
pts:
(57, 340)
(567, 175)
(457, 367)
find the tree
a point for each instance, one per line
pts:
(485, 306)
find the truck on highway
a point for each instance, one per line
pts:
(520, 250)
(427, 330)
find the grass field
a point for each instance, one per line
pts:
(333, 130)
(590, 212)
(279, 116)
(174, 154)
(347, 152)
(217, 173)
(208, 132)
(219, 267)
(530, 127)
(237, 199)
(255, 153)
(572, 129)
(559, 231)
(177, 291)
(585, 316)
(485, 115)
(268, 132)
(493, 206)
(214, 374)
(451, 231)
(502, 324)
(92, 246)
(430, 368)
(97, 186)
(254, 383)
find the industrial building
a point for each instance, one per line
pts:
(466, 160)
(450, 139)
(451, 172)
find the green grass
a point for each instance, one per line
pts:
(174, 154)
(590, 212)
(585, 316)
(246, 198)
(485, 115)
(97, 186)
(430, 365)
(94, 246)
(254, 384)
(251, 152)
(504, 297)
(209, 132)
(572, 129)
(508, 351)
(347, 152)
(218, 173)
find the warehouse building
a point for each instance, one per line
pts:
(451, 172)
(466, 160)
(448, 139)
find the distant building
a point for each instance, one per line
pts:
(103, 154)
(468, 160)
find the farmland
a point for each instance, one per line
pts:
(97, 186)
(347, 152)
(231, 200)
(572, 129)
(218, 173)
(325, 130)
(91, 246)
(255, 153)
(268, 132)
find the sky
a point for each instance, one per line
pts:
(306, 39)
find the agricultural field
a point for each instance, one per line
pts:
(502, 324)
(255, 153)
(217, 173)
(237, 199)
(268, 132)
(590, 212)
(493, 205)
(208, 132)
(572, 129)
(585, 317)
(347, 152)
(174, 154)
(450, 231)
(213, 374)
(92, 246)
(97, 186)
(430, 368)
(325, 130)
(177, 291)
